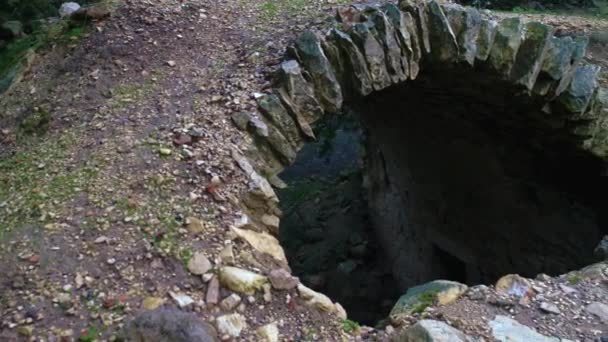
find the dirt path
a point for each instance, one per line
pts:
(94, 215)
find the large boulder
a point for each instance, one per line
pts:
(418, 298)
(506, 329)
(168, 325)
(430, 331)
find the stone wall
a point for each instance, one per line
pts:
(520, 70)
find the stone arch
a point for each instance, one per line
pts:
(374, 49)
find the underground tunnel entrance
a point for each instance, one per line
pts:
(437, 180)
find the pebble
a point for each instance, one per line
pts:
(230, 302)
(231, 325)
(550, 308)
(181, 299)
(199, 264)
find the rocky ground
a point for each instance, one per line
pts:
(126, 204)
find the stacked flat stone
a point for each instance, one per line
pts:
(374, 47)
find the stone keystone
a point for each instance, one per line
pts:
(531, 53)
(506, 44)
(444, 47)
(313, 59)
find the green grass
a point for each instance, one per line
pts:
(349, 326)
(14, 54)
(90, 335)
(425, 300)
(574, 279)
(598, 12)
(125, 94)
(37, 123)
(271, 9)
(34, 182)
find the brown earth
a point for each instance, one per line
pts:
(93, 214)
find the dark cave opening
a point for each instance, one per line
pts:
(462, 179)
(451, 267)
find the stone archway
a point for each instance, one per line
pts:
(535, 86)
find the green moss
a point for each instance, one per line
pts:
(33, 183)
(269, 10)
(36, 123)
(574, 279)
(272, 9)
(425, 300)
(125, 94)
(185, 254)
(350, 326)
(89, 335)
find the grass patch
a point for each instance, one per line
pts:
(33, 183)
(89, 335)
(14, 54)
(349, 326)
(36, 123)
(424, 301)
(597, 12)
(125, 94)
(271, 9)
(574, 279)
(185, 254)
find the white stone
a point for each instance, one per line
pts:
(598, 309)
(316, 300)
(240, 280)
(258, 182)
(268, 333)
(199, 264)
(432, 331)
(230, 302)
(262, 242)
(271, 221)
(505, 329)
(181, 299)
(231, 325)
(68, 8)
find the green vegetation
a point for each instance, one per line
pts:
(33, 183)
(185, 254)
(574, 279)
(125, 94)
(271, 9)
(14, 54)
(595, 8)
(89, 335)
(425, 300)
(37, 123)
(349, 326)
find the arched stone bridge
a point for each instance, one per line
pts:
(373, 48)
(506, 210)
